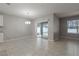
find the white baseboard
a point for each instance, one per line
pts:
(18, 38)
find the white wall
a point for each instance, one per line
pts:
(51, 28)
(15, 27)
(56, 27)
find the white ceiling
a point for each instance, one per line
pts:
(35, 10)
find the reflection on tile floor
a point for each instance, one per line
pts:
(39, 47)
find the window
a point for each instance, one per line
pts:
(73, 26)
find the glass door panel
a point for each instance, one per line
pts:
(39, 30)
(45, 30)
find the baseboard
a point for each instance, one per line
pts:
(69, 38)
(18, 38)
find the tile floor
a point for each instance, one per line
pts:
(39, 47)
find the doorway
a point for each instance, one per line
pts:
(42, 30)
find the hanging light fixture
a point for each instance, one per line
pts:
(27, 22)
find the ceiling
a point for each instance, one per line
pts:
(35, 10)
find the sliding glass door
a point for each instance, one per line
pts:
(42, 30)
